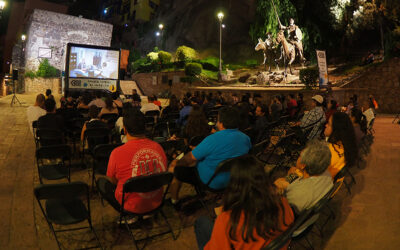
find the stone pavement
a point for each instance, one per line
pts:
(367, 219)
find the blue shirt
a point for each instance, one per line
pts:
(183, 115)
(215, 148)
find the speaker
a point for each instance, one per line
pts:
(15, 75)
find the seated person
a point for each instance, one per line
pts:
(184, 112)
(261, 122)
(98, 101)
(116, 99)
(250, 202)
(110, 107)
(51, 120)
(311, 178)
(292, 105)
(156, 101)
(84, 101)
(276, 108)
(359, 122)
(198, 166)
(94, 121)
(37, 110)
(369, 112)
(173, 107)
(315, 116)
(197, 124)
(135, 96)
(342, 142)
(332, 108)
(139, 156)
(150, 106)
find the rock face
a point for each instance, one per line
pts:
(194, 23)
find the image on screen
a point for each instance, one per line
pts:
(93, 63)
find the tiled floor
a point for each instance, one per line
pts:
(368, 219)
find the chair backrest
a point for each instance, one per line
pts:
(341, 174)
(61, 191)
(154, 113)
(50, 137)
(96, 136)
(259, 147)
(147, 183)
(110, 117)
(101, 154)
(54, 152)
(223, 167)
(173, 116)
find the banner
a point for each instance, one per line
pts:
(323, 69)
(92, 84)
(123, 64)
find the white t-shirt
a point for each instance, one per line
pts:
(369, 114)
(33, 113)
(149, 107)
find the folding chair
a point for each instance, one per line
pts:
(63, 205)
(54, 171)
(101, 155)
(110, 120)
(173, 147)
(146, 184)
(342, 175)
(160, 132)
(94, 137)
(47, 137)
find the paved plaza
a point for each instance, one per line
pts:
(366, 219)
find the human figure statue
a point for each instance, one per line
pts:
(295, 37)
(266, 47)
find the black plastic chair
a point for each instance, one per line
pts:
(110, 119)
(63, 205)
(47, 137)
(173, 147)
(101, 155)
(94, 137)
(342, 175)
(145, 184)
(54, 171)
(160, 132)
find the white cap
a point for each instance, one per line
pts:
(318, 99)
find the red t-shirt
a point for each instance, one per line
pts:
(136, 158)
(221, 240)
(292, 107)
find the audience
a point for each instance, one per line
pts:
(197, 166)
(276, 108)
(342, 142)
(253, 214)
(139, 156)
(197, 124)
(84, 101)
(150, 106)
(156, 101)
(116, 99)
(369, 112)
(51, 120)
(359, 122)
(98, 101)
(173, 106)
(127, 108)
(37, 110)
(292, 105)
(48, 93)
(315, 117)
(300, 101)
(332, 108)
(184, 112)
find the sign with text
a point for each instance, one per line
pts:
(92, 84)
(323, 69)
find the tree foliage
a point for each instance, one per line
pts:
(184, 53)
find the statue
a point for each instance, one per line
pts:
(266, 47)
(295, 36)
(288, 52)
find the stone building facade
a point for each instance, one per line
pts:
(48, 34)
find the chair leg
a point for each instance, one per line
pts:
(131, 233)
(95, 235)
(169, 225)
(55, 235)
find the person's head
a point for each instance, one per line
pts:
(50, 105)
(126, 107)
(261, 110)
(186, 101)
(40, 100)
(173, 102)
(48, 92)
(317, 101)
(291, 21)
(291, 96)
(251, 194)
(134, 92)
(300, 96)
(150, 99)
(134, 123)
(227, 118)
(332, 105)
(245, 98)
(109, 103)
(99, 94)
(154, 97)
(358, 118)
(316, 157)
(93, 111)
(277, 99)
(197, 123)
(339, 129)
(188, 95)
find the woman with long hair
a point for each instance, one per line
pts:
(110, 107)
(359, 123)
(342, 142)
(332, 108)
(253, 214)
(173, 106)
(197, 124)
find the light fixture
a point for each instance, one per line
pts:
(157, 33)
(105, 11)
(220, 16)
(2, 5)
(161, 26)
(23, 37)
(223, 26)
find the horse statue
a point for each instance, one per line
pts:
(266, 48)
(288, 52)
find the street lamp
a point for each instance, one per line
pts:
(161, 27)
(2, 5)
(220, 17)
(23, 37)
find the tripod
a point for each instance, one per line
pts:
(14, 99)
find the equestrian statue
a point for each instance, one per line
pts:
(267, 49)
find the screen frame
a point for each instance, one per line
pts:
(86, 46)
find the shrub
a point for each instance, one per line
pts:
(251, 63)
(45, 70)
(186, 54)
(30, 74)
(309, 76)
(164, 57)
(193, 69)
(140, 63)
(153, 56)
(210, 63)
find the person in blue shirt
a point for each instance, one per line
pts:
(184, 112)
(198, 166)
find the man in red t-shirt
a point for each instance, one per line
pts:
(292, 105)
(139, 156)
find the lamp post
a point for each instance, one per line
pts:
(2, 5)
(161, 28)
(220, 17)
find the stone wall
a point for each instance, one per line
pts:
(383, 82)
(159, 82)
(39, 85)
(48, 34)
